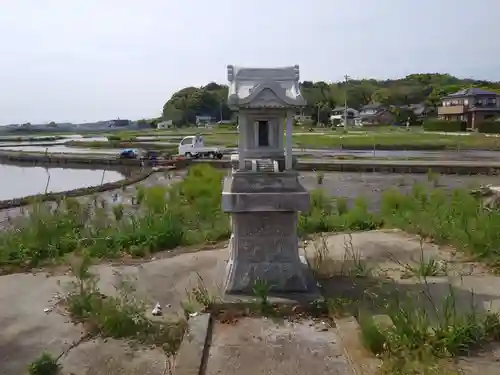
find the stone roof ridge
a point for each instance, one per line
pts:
(286, 73)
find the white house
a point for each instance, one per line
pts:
(338, 115)
(165, 124)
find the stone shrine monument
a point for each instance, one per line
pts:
(263, 192)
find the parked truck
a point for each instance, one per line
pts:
(193, 146)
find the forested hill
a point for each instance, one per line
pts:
(186, 104)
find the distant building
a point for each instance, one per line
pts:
(202, 121)
(165, 124)
(375, 114)
(300, 117)
(338, 116)
(471, 106)
(119, 123)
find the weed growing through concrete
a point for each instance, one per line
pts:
(320, 176)
(45, 364)
(352, 263)
(198, 298)
(123, 316)
(423, 267)
(411, 336)
(261, 291)
(416, 331)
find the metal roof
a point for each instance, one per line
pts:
(470, 92)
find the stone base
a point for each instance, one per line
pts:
(264, 246)
(264, 192)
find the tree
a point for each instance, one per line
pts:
(428, 88)
(186, 104)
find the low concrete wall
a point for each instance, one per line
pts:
(395, 147)
(385, 166)
(87, 159)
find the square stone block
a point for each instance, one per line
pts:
(265, 247)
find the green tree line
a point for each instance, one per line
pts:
(322, 97)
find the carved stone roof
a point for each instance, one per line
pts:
(264, 87)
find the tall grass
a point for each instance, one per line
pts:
(456, 218)
(189, 212)
(186, 213)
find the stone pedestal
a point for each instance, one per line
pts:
(264, 244)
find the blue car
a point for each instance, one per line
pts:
(128, 153)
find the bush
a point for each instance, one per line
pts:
(489, 127)
(444, 126)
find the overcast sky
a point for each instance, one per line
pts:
(87, 60)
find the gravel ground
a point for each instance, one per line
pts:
(371, 185)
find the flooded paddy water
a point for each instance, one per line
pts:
(22, 180)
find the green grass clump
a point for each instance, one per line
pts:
(121, 316)
(416, 334)
(455, 218)
(44, 365)
(328, 214)
(186, 213)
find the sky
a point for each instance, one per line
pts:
(89, 60)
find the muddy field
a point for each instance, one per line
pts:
(371, 185)
(347, 185)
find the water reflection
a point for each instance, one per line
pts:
(21, 181)
(35, 141)
(62, 149)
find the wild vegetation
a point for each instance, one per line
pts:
(414, 328)
(162, 218)
(189, 212)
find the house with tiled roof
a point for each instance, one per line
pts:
(470, 105)
(375, 114)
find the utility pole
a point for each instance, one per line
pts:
(220, 109)
(318, 116)
(345, 102)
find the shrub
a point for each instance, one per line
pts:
(444, 126)
(490, 127)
